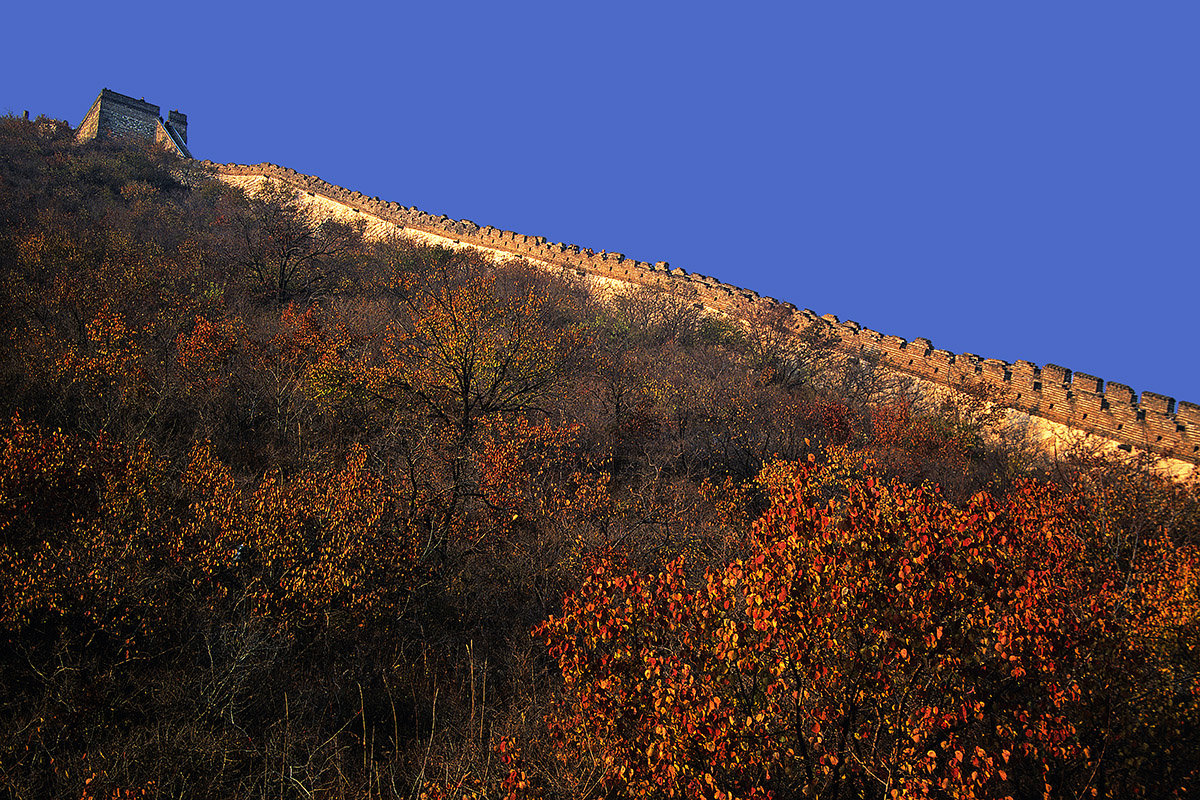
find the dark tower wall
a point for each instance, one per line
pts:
(115, 116)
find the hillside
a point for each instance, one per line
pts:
(292, 508)
(1080, 402)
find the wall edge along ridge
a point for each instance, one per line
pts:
(1111, 410)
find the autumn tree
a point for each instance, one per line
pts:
(656, 315)
(883, 643)
(474, 350)
(286, 250)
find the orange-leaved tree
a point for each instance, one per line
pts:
(474, 350)
(883, 643)
(80, 525)
(301, 547)
(529, 474)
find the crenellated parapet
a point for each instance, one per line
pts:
(1081, 401)
(1084, 402)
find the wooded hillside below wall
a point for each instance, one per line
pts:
(1112, 410)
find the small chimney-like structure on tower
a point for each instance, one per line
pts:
(178, 121)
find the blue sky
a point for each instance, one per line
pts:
(1017, 180)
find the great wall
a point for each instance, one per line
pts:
(116, 115)
(1081, 402)
(1069, 401)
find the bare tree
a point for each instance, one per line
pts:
(285, 249)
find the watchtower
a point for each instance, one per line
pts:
(118, 116)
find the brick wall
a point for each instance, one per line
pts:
(1084, 402)
(117, 116)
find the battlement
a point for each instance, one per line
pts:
(1084, 402)
(115, 116)
(177, 122)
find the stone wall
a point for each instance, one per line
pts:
(90, 127)
(117, 116)
(177, 122)
(1084, 402)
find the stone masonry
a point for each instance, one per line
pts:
(1083, 402)
(118, 116)
(1079, 401)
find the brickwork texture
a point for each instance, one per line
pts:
(1084, 402)
(117, 116)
